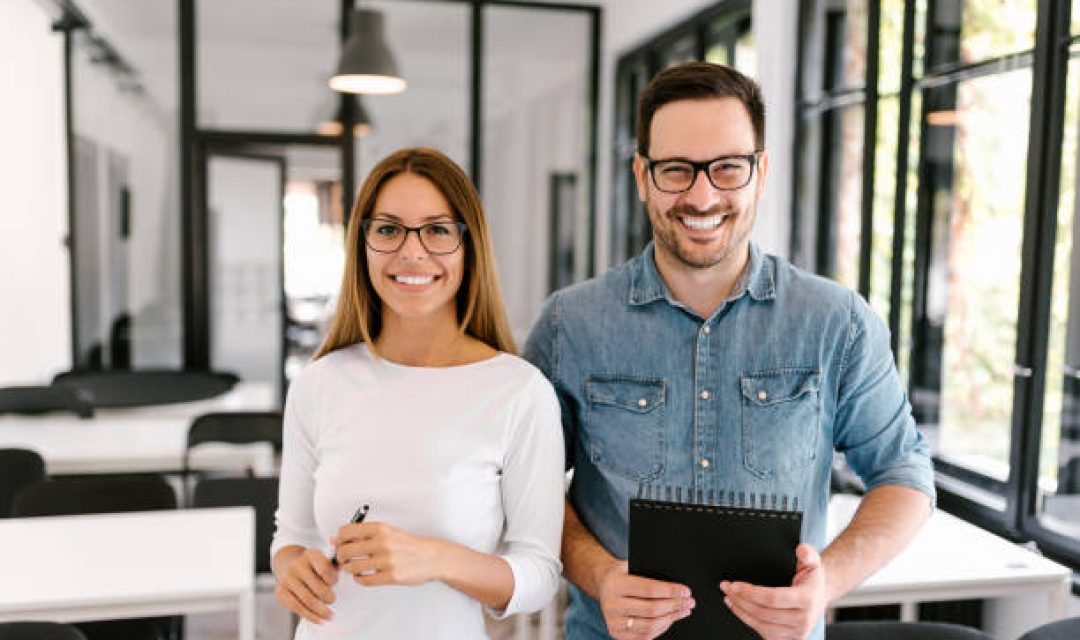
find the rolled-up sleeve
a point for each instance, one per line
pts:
(874, 426)
(532, 495)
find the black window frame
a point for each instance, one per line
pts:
(1008, 508)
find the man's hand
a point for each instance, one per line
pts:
(636, 607)
(782, 613)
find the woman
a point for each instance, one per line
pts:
(416, 407)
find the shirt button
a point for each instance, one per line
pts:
(762, 395)
(707, 329)
(705, 395)
(704, 463)
(642, 402)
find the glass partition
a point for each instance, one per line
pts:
(127, 233)
(534, 177)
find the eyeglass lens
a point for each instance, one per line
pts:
(724, 173)
(387, 236)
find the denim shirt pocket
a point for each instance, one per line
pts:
(625, 425)
(781, 418)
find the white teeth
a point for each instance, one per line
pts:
(702, 224)
(414, 279)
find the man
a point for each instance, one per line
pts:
(705, 363)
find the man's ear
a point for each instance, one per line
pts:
(640, 175)
(762, 172)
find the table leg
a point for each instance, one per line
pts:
(246, 616)
(909, 611)
(1056, 601)
(547, 622)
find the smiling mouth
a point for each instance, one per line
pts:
(415, 280)
(699, 223)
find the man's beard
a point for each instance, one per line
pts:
(667, 235)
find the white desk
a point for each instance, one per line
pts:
(140, 439)
(951, 559)
(103, 567)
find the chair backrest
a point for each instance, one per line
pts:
(1067, 629)
(240, 427)
(237, 427)
(34, 400)
(39, 631)
(895, 630)
(95, 495)
(19, 468)
(261, 493)
(118, 388)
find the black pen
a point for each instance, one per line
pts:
(357, 518)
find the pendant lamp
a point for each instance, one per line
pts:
(362, 121)
(366, 64)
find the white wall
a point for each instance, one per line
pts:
(35, 324)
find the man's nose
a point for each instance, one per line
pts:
(701, 195)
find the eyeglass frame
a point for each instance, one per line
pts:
(367, 222)
(703, 167)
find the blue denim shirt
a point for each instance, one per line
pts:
(752, 399)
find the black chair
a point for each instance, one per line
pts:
(118, 388)
(36, 400)
(895, 630)
(103, 494)
(233, 428)
(106, 495)
(39, 631)
(19, 468)
(260, 493)
(1067, 629)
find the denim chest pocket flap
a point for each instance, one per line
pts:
(781, 420)
(775, 387)
(625, 425)
(639, 396)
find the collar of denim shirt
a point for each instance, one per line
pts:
(646, 285)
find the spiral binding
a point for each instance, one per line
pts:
(729, 499)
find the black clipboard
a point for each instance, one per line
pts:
(699, 545)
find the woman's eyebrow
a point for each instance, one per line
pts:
(431, 218)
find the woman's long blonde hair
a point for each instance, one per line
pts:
(480, 309)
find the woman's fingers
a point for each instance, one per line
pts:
(306, 586)
(297, 604)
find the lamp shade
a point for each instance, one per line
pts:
(366, 64)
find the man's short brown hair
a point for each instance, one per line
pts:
(699, 81)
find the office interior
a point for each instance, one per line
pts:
(176, 177)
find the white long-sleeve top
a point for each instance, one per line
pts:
(472, 454)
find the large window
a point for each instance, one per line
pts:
(719, 34)
(938, 172)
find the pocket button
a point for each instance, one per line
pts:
(642, 402)
(762, 395)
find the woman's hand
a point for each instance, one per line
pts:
(304, 580)
(376, 554)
